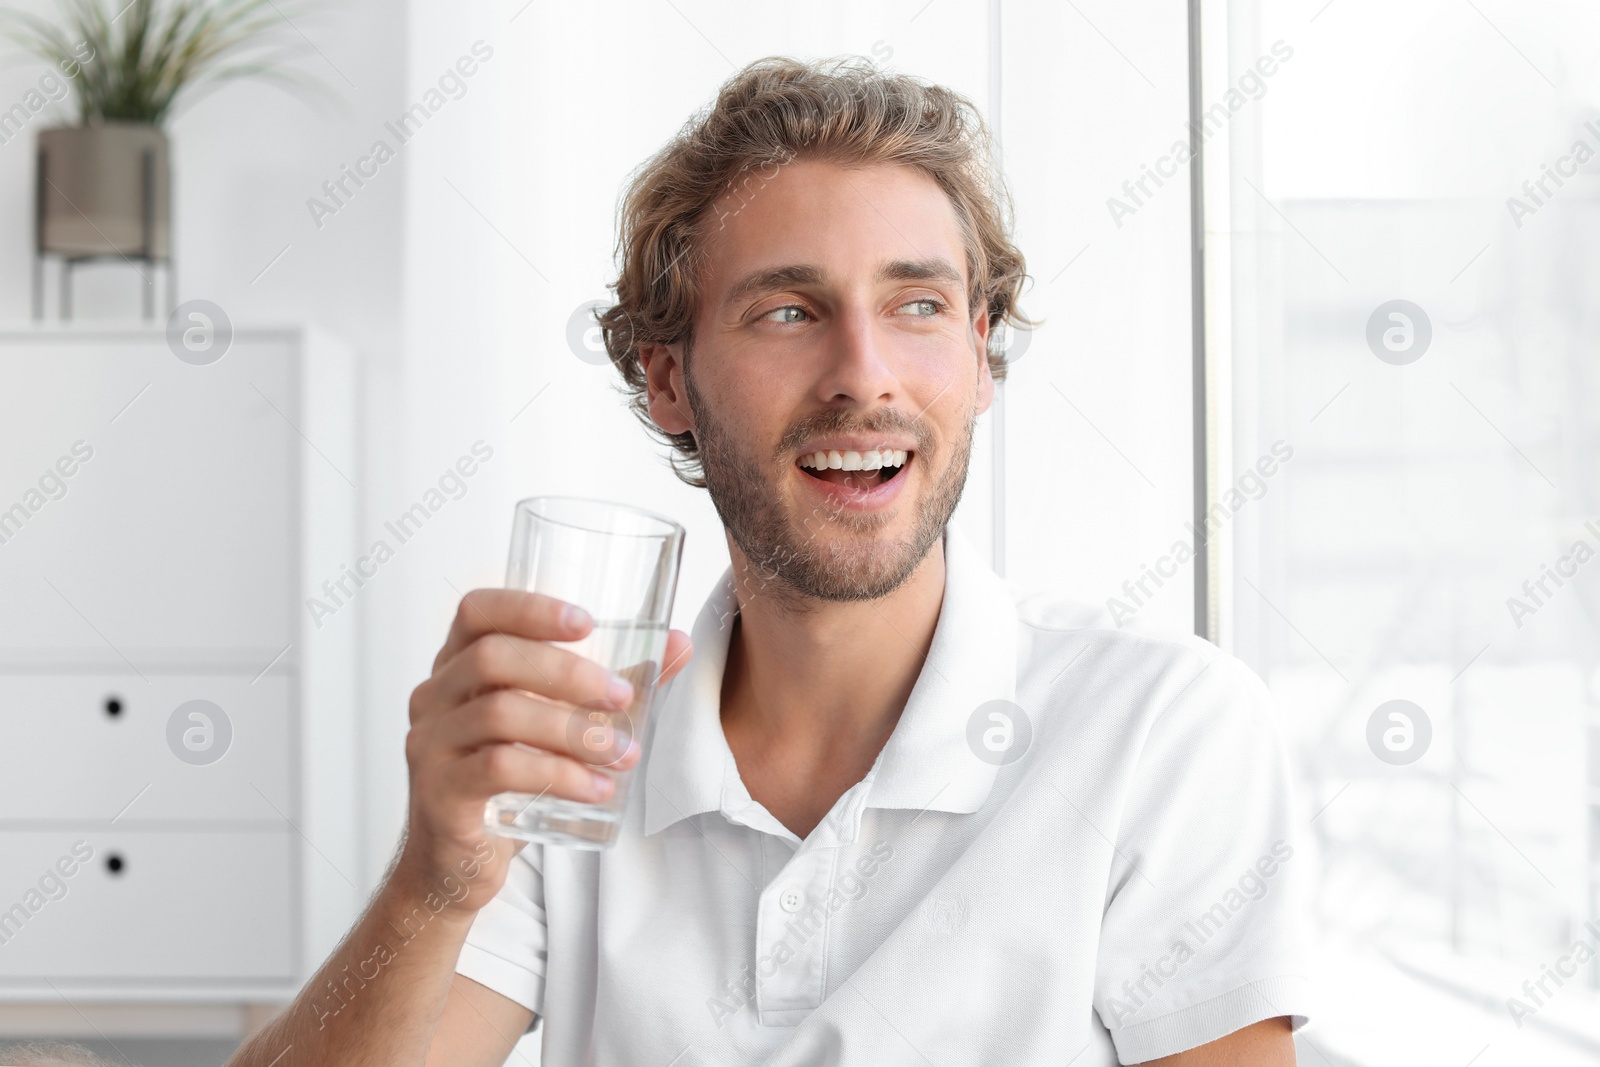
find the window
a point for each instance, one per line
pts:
(1401, 257)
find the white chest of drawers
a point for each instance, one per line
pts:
(161, 526)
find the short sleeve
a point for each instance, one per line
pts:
(1204, 928)
(505, 948)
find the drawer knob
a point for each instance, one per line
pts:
(113, 706)
(114, 863)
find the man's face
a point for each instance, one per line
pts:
(833, 321)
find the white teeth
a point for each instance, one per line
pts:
(870, 460)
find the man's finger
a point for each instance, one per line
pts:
(513, 612)
(547, 670)
(676, 658)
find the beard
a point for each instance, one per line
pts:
(787, 560)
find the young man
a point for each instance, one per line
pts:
(883, 813)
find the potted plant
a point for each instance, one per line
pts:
(103, 185)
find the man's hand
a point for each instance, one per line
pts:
(499, 685)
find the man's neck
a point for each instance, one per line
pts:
(809, 697)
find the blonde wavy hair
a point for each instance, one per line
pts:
(843, 110)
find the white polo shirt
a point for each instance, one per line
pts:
(1107, 872)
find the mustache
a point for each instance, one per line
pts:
(839, 421)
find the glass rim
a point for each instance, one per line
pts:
(673, 529)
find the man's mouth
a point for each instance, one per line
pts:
(859, 470)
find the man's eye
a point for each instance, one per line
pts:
(925, 306)
(783, 314)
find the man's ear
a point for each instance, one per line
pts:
(663, 372)
(980, 333)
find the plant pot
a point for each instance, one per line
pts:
(104, 190)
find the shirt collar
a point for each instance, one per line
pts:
(927, 763)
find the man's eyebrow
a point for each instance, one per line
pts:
(914, 270)
(774, 278)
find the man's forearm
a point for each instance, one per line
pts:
(378, 998)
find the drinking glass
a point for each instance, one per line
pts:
(620, 564)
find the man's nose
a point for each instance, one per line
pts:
(858, 362)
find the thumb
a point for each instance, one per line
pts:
(677, 656)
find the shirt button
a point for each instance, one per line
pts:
(791, 900)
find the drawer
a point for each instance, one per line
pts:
(145, 906)
(172, 524)
(97, 747)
